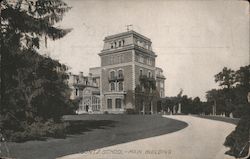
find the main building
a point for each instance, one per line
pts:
(125, 58)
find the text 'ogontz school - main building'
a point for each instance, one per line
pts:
(125, 58)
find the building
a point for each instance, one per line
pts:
(87, 90)
(125, 58)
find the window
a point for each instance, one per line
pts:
(149, 74)
(120, 74)
(76, 92)
(140, 58)
(140, 72)
(120, 43)
(142, 88)
(120, 86)
(112, 60)
(115, 44)
(122, 59)
(118, 103)
(109, 103)
(112, 86)
(161, 84)
(161, 94)
(112, 74)
(123, 42)
(112, 45)
(149, 61)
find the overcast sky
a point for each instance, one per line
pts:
(194, 40)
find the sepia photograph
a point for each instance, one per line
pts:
(124, 79)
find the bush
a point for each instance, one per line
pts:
(38, 131)
(106, 112)
(131, 111)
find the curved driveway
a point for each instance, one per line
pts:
(202, 139)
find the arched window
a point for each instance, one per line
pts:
(120, 73)
(120, 85)
(140, 72)
(149, 74)
(112, 75)
(112, 86)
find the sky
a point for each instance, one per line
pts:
(194, 40)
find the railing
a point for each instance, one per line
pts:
(144, 77)
(116, 78)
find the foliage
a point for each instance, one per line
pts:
(232, 98)
(146, 94)
(130, 111)
(226, 78)
(32, 85)
(37, 131)
(238, 140)
(188, 105)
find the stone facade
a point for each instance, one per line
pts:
(124, 59)
(86, 89)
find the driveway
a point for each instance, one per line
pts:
(202, 139)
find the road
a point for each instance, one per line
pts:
(202, 139)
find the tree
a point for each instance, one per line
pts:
(30, 81)
(243, 77)
(146, 94)
(226, 78)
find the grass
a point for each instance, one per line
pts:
(220, 118)
(88, 132)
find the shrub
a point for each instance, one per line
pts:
(38, 131)
(130, 111)
(106, 112)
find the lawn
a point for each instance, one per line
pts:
(89, 132)
(220, 118)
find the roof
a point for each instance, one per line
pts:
(126, 33)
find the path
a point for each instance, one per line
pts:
(202, 139)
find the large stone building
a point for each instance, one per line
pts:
(125, 58)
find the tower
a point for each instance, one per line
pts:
(125, 58)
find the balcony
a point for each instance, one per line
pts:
(116, 78)
(144, 77)
(112, 79)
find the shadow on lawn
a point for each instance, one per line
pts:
(81, 126)
(85, 132)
